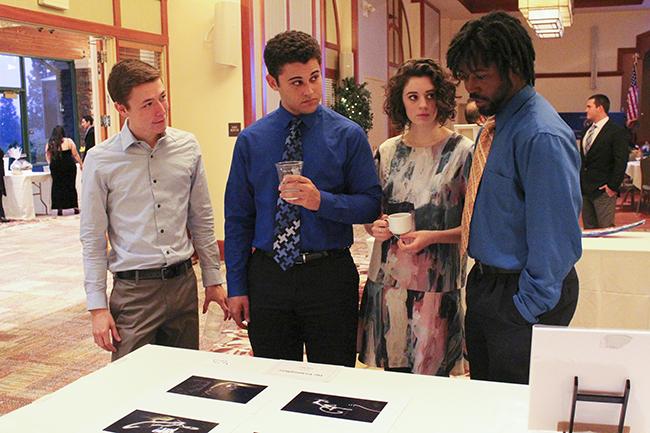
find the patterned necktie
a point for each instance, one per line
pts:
(589, 138)
(286, 242)
(476, 172)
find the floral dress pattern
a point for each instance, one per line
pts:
(410, 315)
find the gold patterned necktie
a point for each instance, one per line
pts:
(476, 172)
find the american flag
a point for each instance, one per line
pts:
(633, 96)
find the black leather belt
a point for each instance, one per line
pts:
(165, 273)
(311, 256)
(487, 269)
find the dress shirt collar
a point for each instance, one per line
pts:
(512, 106)
(600, 123)
(127, 138)
(308, 119)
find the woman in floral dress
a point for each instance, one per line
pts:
(411, 317)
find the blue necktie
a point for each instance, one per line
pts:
(286, 242)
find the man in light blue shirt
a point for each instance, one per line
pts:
(524, 233)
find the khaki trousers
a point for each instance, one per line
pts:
(163, 312)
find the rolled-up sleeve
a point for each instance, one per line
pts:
(93, 226)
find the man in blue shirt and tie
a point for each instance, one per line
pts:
(523, 226)
(291, 278)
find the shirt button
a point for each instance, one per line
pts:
(155, 181)
(162, 230)
(166, 252)
(151, 156)
(158, 206)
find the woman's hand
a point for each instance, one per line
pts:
(379, 229)
(414, 242)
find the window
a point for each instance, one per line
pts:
(35, 96)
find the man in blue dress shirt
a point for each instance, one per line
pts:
(524, 234)
(311, 299)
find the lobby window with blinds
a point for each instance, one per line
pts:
(154, 58)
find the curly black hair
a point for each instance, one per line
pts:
(496, 38)
(290, 47)
(445, 91)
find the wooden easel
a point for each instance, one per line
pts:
(596, 397)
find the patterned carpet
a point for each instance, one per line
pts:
(45, 339)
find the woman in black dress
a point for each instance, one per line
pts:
(61, 153)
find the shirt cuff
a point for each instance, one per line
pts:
(96, 300)
(212, 277)
(327, 205)
(523, 310)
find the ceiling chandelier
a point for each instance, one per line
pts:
(547, 17)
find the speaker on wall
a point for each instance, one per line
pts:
(226, 34)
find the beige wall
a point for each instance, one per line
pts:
(98, 11)
(143, 15)
(571, 53)
(204, 96)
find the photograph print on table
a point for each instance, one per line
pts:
(334, 406)
(217, 389)
(142, 421)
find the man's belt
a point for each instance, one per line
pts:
(487, 269)
(164, 273)
(307, 257)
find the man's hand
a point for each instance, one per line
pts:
(608, 191)
(379, 229)
(239, 310)
(217, 294)
(299, 190)
(104, 329)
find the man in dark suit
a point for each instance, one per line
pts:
(604, 151)
(89, 136)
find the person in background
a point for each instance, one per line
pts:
(146, 187)
(605, 152)
(411, 318)
(300, 286)
(472, 114)
(62, 155)
(522, 205)
(89, 133)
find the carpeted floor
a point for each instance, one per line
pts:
(45, 339)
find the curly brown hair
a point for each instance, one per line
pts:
(445, 91)
(290, 47)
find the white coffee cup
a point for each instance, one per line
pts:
(400, 223)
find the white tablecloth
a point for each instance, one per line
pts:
(24, 199)
(614, 274)
(140, 381)
(20, 200)
(634, 171)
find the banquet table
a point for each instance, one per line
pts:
(614, 273)
(30, 193)
(23, 190)
(142, 379)
(634, 171)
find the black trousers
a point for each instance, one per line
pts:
(498, 338)
(2, 209)
(312, 305)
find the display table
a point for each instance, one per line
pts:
(634, 171)
(30, 193)
(22, 191)
(614, 274)
(141, 379)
